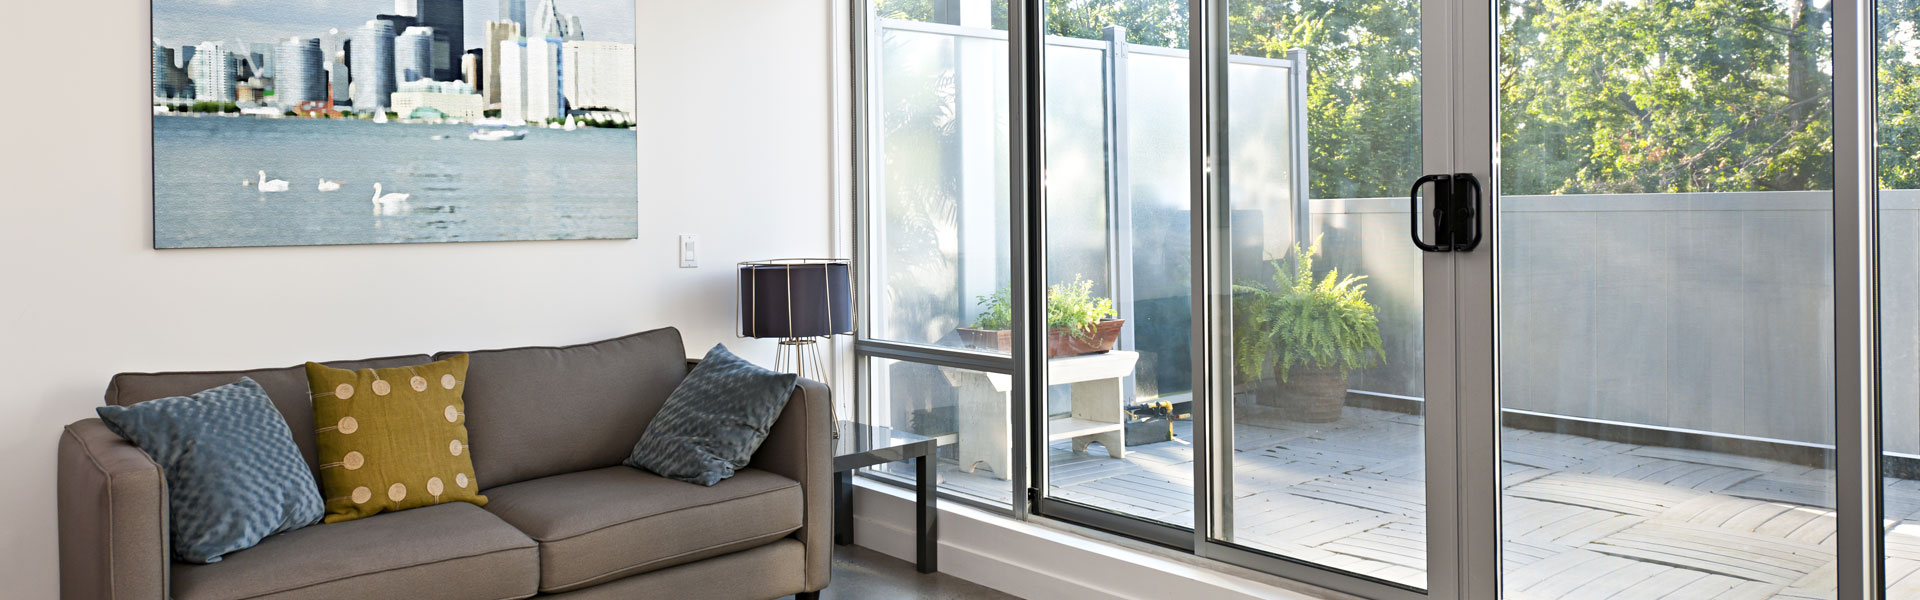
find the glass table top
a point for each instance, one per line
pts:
(862, 445)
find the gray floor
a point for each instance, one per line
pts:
(859, 573)
(1583, 517)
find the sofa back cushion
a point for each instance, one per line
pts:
(540, 411)
(287, 386)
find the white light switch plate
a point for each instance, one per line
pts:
(688, 258)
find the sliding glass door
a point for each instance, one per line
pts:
(1408, 298)
(1665, 299)
(1154, 266)
(1318, 424)
(1897, 218)
(1279, 411)
(1118, 299)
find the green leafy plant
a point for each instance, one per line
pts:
(1071, 306)
(998, 313)
(1301, 320)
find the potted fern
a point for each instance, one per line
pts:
(1307, 334)
(1077, 321)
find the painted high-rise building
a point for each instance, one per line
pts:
(339, 78)
(253, 64)
(413, 54)
(497, 32)
(448, 18)
(212, 72)
(470, 70)
(258, 58)
(299, 72)
(410, 8)
(550, 23)
(599, 75)
(170, 79)
(372, 66)
(530, 80)
(512, 90)
(162, 58)
(512, 11)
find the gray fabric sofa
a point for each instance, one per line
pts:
(549, 428)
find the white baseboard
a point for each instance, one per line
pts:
(1031, 560)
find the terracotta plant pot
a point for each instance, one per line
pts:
(1309, 395)
(1059, 343)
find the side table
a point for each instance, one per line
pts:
(862, 446)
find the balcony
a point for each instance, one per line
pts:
(1666, 406)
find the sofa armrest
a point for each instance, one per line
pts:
(113, 517)
(800, 447)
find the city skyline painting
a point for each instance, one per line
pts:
(392, 121)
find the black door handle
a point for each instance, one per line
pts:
(1443, 186)
(1465, 215)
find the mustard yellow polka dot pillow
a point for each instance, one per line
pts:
(392, 439)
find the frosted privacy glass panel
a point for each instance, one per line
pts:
(1077, 219)
(939, 227)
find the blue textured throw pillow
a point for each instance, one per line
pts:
(714, 421)
(233, 474)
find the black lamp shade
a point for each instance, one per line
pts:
(795, 300)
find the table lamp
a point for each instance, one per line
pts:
(797, 300)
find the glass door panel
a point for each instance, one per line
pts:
(1118, 268)
(959, 407)
(1899, 227)
(937, 218)
(936, 237)
(1321, 439)
(1665, 298)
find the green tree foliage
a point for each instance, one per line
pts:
(1363, 90)
(1597, 96)
(207, 106)
(1899, 93)
(1665, 96)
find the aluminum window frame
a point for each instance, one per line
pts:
(1860, 539)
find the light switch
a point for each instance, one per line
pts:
(688, 259)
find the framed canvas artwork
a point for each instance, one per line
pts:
(392, 121)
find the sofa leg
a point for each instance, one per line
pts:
(807, 596)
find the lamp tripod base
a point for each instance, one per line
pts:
(801, 356)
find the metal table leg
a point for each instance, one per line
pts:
(843, 508)
(928, 520)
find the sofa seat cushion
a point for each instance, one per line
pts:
(454, 550)
(605, 524)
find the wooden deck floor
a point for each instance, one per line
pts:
(1584, 518)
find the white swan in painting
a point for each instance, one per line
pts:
(273, 185)
(329, 186)
(387, 202)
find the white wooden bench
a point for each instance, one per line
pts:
(1098, 415)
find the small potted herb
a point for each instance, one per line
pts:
(1077, 321)
(1308, 334)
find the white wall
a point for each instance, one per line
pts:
(735, 146)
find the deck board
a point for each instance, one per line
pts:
(1583, 518)
(1605, 493)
